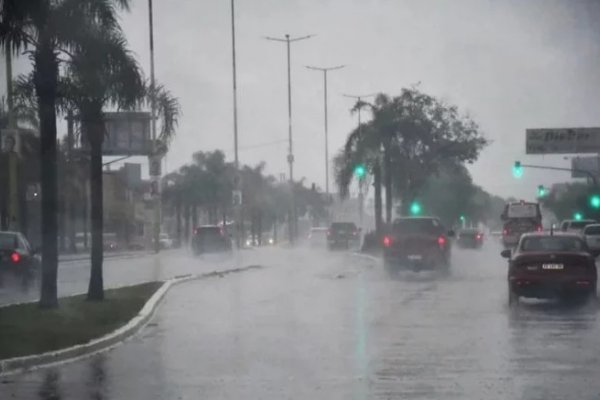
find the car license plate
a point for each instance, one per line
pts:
(553, 266)
(415, 257)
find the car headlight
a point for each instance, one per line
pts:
(271, 241)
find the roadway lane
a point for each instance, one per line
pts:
(130, 269)
(332, 326)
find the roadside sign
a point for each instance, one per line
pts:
(590, 164)
(155, 165)
(562, 140)
(237, 197)
(127, 134)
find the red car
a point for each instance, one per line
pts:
(548, 265)
(417, 243)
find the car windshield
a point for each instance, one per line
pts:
(298, 199)
(8, 241)
(552, 243)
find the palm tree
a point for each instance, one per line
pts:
(101, 73)
(49, 29)
(363, 146)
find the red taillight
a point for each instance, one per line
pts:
(354, 233)
(441, 241)
(387, 241)
(328, 233)
(539, 228)
(505, 232)
(479, 236)
(15, 257)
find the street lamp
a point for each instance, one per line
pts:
(290, 158)
(154, 178)
(325, 70)
(237, 184)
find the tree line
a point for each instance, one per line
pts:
(415, 147)
(202, 191)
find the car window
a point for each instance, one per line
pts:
(580, 224)
(208, 232)
(592, 230)
(417, 225)
(8, 241)
(339, 226)
(552, 243)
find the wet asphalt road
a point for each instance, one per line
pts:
(319, 325)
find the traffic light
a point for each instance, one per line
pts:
(462, 218)
(595, 201)
(415, 208)
(541, 191)
(360, 171)
(517, 170)
(577, 216)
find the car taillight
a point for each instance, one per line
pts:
(505, 232)
(479, 236)
(15, 257)
(354, 233)
(328, 233)
(387, 241)
(539, 228)
(441, 241)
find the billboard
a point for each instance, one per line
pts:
(590, 164)
(562, 140)
(127, 134)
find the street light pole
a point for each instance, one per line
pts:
(155, 178)
(325, 70)
(237, 184)
(361, 181)
(290, 157)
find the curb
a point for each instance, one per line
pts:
(21, 364)
(108, 255)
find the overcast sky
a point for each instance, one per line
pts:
(511, 65)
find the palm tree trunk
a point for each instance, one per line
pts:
(178, 220)
(186, 223)
(96, 286)
(377, 184)
(388, 183)
(45, 76)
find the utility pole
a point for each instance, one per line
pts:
(325, 70)
(290, 157)
(361, 181)
(154, 175)
(238, 200)
(14, 214)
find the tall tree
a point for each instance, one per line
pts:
(49, 29)
(101, 73)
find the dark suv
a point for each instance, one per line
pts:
(210, 239)
(417, 242)
(343, 235)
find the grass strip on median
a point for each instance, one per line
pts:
(26, 329)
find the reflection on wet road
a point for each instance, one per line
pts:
(319, 325)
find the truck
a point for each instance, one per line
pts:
(519, 218)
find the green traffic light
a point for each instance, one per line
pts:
(415, 208)
(462, 218)
(360, 171)
(578, 216)
(542, 191)
(595, 201)
(517, 170)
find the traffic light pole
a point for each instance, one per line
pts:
(588, 173)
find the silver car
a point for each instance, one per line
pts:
(592, 238)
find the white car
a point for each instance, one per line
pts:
(576, 226)
(592, 238)
(165, 241)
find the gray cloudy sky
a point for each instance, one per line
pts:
(510, 64)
